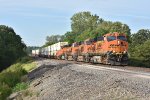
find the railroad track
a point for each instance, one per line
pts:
(121, 68)
(133, 71)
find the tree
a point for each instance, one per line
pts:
(139, 48)
(140, 37)
(53, 39)
(70, 37)
(85, 35)
(11, 46)
(141, 53)
(121, 28)
(83, 21)
(30, 48)
(109, 27)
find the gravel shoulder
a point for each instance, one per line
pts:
(62, 80)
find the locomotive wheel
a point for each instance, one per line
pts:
(74, 57)
(87, 59)
(66, 57)
(112, 63)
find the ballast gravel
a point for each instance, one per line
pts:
(61, 80)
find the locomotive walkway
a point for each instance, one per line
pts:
(65, 80)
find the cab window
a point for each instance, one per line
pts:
(122, 38)
(111, 38)
(74, 45)
(87, 42)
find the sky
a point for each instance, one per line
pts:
(33, 20)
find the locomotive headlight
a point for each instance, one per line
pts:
(114, 51)
(124, 52)
(118, 42)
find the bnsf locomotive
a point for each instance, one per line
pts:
(108, 49)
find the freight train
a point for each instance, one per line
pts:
(112, 48)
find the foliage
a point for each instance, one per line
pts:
(25, 59)
(11, 76)
(85, 25)
(29, 66)
(142, 53)
(140, 37)
(83, 21)
(5, 91)
(108, 26)
(139, 48)
(8, 79)
(30, 48)
(85, 35)
(53, 39)
(11, 46)
(20, 86)
(70, 37)
(104, 28)
(119, 27)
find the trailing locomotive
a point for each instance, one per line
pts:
(109, 49)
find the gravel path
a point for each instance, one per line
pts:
(61, 80)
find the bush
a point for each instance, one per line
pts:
(24, 59)
(11, 77)
(5, 91)
(139, 48)
(11, 47)
(135, 62)
(20, 86)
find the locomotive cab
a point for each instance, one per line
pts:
(74, 52)
(116, 48)
(85, 49)
(111, 49)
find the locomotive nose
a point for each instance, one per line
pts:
(118, 47)
(120, 42)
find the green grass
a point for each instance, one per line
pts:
(29, 66)
(20, 86)
(11, 79)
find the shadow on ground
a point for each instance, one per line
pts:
(39, 72)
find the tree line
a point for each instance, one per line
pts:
(86, 25)
(11, 46)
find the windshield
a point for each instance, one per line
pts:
(88, 42)
(122, 38)
(111, 38)
(74, 45)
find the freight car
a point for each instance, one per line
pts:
(112, 48)
(49, 51)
